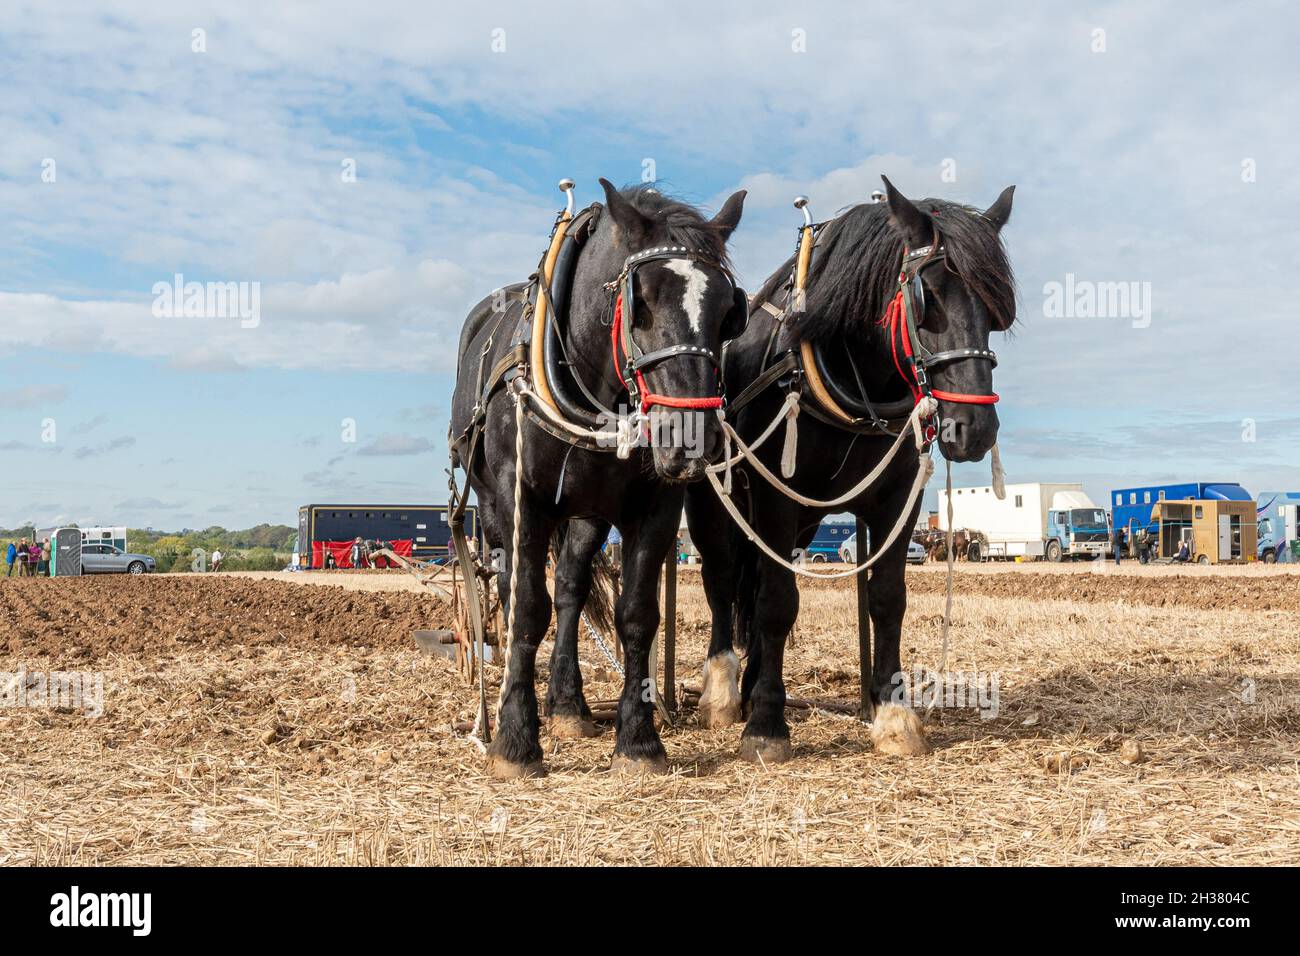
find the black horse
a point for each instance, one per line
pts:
(650, 302)
(961, 287)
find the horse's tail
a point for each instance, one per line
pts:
(604, 593)
(604, 576)
(743, 603)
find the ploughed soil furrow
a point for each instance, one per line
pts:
(88, 617)
(1192, 591)
(224, 719)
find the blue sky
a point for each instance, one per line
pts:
(1149, 143)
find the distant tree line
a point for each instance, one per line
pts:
(266, 547)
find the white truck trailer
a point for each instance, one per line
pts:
(1034, 520)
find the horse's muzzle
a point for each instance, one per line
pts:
(967, 432)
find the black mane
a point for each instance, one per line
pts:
(855, 270)
(685, 225)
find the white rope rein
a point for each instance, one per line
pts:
(947, 606)
(923, 474)
(925, 468)
(924, 409)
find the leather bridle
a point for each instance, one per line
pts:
(900, 322)
(631, 364)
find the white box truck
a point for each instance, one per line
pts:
(1035, 520)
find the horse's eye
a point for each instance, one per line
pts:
(933, 316)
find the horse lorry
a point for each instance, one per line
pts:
(1051, 520)
(1278, 522)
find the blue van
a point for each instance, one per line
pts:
(830, 537)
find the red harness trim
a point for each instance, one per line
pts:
(649, 398)
(962, 397)
(893, 319)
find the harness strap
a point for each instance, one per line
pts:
(648, 359)
(785, 364)
(514, 356)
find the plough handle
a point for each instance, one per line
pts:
(466, 562)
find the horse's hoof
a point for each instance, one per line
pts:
(719, 704)
(765, 750)
(714, 718)
(572, 727)
(897, 732)
(638, 765)
(502, 769)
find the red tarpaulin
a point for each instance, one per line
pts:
(342, 551)
(400, 548)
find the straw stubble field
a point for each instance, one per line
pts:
(253, 721)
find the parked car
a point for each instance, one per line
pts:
(109, 559)
(826, 543)
(849, 551)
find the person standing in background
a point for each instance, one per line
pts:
(11, 555)
(43, 568)
(22, 558)
(216, 559)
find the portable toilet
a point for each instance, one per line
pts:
(65, 553)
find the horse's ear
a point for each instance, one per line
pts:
(631, 223)
(1000, 211)
(728, 218)
(915, 225)
(738, 315)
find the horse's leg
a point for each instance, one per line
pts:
(515, 750)
(646, 543)
(766, 738)
(711, 533)
(568, 710)
(895, 729)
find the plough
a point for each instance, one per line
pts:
(445, 582)
(458, 644)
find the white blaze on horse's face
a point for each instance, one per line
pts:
(697, 281)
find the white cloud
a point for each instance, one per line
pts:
(108, 447)
(137, 505)
(226, 165)
(397, 444)
(32, 396)
(82, 428)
